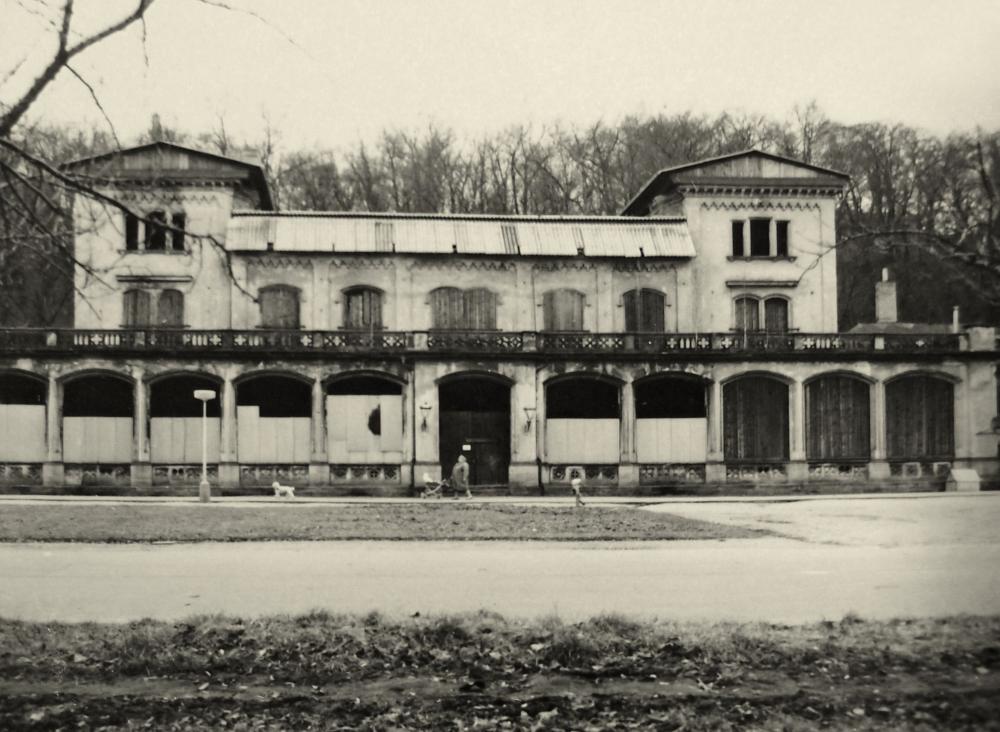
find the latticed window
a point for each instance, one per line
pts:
(136, 308)
(644, 311)
(563, 310)
(363, 308)
(170, 309)
(279, 307)
(455, 309)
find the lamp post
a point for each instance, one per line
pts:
(204, 489)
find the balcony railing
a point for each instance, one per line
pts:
(27, 341)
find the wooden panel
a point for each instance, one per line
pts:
(582, 441)
(563, 310)
(920, 418)
(267, 435)
(248, 439)
(755, 419)
(97, 439)
(301, 430)
(22, 433)
(177, 440)
(336, 430)
(671, 440)
(838, 419)
(392, 423)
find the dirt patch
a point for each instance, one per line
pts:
(483, 672)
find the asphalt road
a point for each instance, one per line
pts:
(944, 561)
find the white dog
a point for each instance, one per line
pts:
(285, 491)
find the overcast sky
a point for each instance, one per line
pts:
(328, 72)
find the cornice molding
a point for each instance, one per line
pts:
(759, 203)
(578, 265)
(463, 265)
(641, 265)
(279, 262)
(362, 263)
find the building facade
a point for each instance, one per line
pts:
(691, 341)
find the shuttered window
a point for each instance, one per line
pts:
(136, 307)
(279, 307)
(776, 315)
(363, 308)
(170, 309)
(644, 311)
(747, 314)
(563, 310)
(455, 309)
(920, 418)
(838, 419)
(755, 420)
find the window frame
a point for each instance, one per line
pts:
(548, 309)
(140, 228)
(761, 313)
(377, 293)
(467, 297)
(638, 296)
(778, 245)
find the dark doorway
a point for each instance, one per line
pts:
(475, 421)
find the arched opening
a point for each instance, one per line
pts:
(583, 421)
(920, 418)
(273, 420)
(175, 420)
(97, 420)
(755, 420)
(671, 420)
(475, 422)
(838, 418)
(22, 418)
(364, 420)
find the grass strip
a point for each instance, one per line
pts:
(485, 672)
(435, 521)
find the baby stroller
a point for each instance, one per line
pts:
(433, 488)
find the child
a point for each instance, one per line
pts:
(575, 485)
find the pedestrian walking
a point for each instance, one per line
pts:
(575, 486)
(460, 477)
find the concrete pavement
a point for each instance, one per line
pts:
(878, 558)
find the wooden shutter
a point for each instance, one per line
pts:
(838, 419)
(136, 306)
(651, 311)
(279, 307)
(363, 309)
(747, 314)
(446, 308)
(776, 315)
(755, 420)
(920, 418)
(480, 309)
(170, 309)
(563, 310)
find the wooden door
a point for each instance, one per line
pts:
(484, 439)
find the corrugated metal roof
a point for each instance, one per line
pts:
(478, 235)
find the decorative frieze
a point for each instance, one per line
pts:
(839, 471)
(98, 475)
(265, 475)
(760, 203)
(462, 265)
(761, 472)
(671, 473)
(182, 474)
(279, 262)
(588, 473)
(363, 263)
(20, 473)
(358, 473)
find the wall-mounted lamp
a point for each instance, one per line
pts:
(529, 417)
(425, 409)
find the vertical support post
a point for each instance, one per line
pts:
(879, 466)
(715, 467)
(229, 469)
(628, 471)
(53, 470)
(319, 466)
(204, 489)
(746, 237)
(798, 469)
(142, 470)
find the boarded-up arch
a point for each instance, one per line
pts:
(671, 424)
(920, 418)
(582, 420)
(22, 417)
(755, 419)
(364, 419)
(838, 418)
(273, 414)
(175, 424)
(97, 419)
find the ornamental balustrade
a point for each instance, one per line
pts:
(28, 341)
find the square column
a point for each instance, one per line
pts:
(142, 469)
(798, 468)
(879, 466)
(53, 471)
(319, 465)
(715, 467)
(628, 471)
(229, 469)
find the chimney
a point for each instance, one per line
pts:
(885, 299)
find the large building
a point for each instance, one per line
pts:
(691, 341)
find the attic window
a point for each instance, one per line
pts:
(156, 233)
(131, 232)
(177, 221)
(760, 237)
